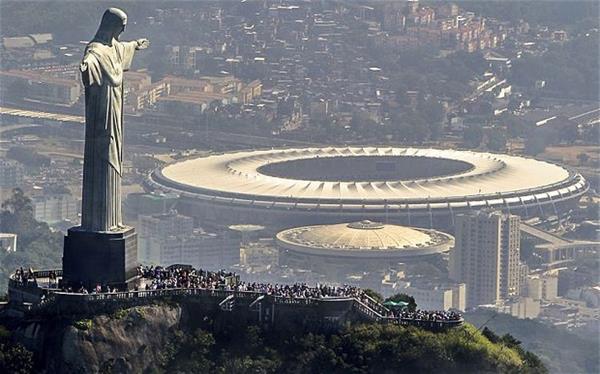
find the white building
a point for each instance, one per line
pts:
(438, 296)
(519, 307)
(524, 307)
(202, 250)
(155, 231)
(55, 208)
(486, 256)
(8, 242)
(542, 287)
(167, 239)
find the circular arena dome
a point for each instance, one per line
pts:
(418, 186)
(365, 239)
(358, 246)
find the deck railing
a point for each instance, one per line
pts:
(364, 305)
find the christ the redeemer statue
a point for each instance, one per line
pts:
(104, 61)
(102, 250)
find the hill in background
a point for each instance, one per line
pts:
(559, 350)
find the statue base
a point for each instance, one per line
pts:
(93, 258)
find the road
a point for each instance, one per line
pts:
(41, 115)
(4, 129)
(543, 235)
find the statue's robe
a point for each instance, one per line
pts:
(103, 156)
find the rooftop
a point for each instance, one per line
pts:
(360, 174)
(367, 236)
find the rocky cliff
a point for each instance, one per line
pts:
(189, 337)
(127, 341)
(132, 341)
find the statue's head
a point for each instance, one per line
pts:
(112, 25)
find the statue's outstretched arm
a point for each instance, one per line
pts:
(128, 49)
(142, 43)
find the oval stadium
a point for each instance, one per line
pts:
(413, 186)
(343, 248)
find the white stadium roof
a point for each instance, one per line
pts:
(490, 179)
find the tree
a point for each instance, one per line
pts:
(583, 158)
(539, 138)
(472, 136)
(510, 341)
(297, 347)
(515, 126)
(568, 133)
(535, 145)
(412, 128)
(361, 123)
(374, 294)
(570, 70)
(17, 214)
(433, 113)
(39, 247)
(497, 140)
(492, 336)
(18, 203)
(28, 157)
(14, 358)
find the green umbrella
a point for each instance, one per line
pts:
(396, 304)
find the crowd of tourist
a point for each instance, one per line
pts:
(25, 277)
(300, 290)
(172, 277)
(158, 278)
(187, 277)
(429, 315)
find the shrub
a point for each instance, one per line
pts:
(83, 324)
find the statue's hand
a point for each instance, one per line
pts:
(84, 64)
(142, 43)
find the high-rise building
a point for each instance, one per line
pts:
(431, 296)
(148, 204)
(486, 256)
(201, 249)
(542, 286)
(167, 239)
(154, 232)
(54, 208)
(11, 174)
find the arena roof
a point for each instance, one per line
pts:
(345, 176)
(364, 238)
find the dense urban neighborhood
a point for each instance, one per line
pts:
(445, 151)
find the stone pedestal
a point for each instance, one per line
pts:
(105, 258)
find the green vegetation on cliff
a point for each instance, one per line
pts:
(192, 337)
(363, 348)
(14, 358)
